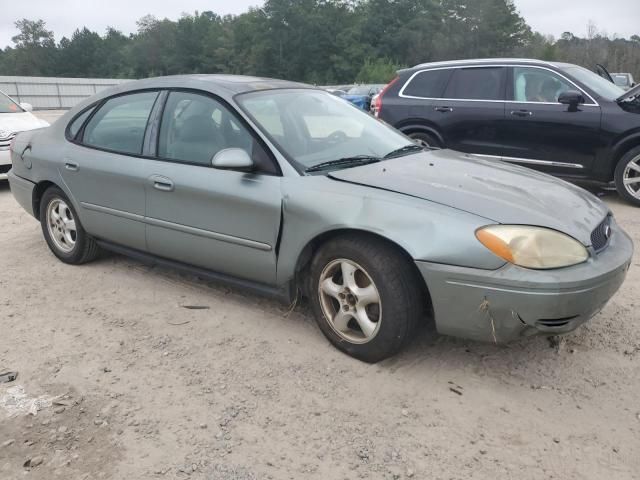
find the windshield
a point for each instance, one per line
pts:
(312, 127)
(620, 80)
(8, 106)
(595, 82)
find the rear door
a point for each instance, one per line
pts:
(222, 220)
(540, 132)
(104, 170)
(471, 111)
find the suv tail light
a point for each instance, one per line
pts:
(377, 104)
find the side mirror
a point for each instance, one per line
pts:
(27, 106)
(573, 98)
(232, 159)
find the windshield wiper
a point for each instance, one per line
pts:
(404, 150)
(346, 162)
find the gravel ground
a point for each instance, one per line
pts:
(142, 385)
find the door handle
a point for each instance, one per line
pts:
(443, 109)
(161, 183)
(71, 166)
(522, 113)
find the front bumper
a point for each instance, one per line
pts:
(5, 163)
(512, 302)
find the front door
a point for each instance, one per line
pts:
(222, 220)
(104, 168)
(541, 133)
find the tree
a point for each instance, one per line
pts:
(32, 34)
(316, 41)
(35, 49)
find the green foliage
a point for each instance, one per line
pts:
(316, 41)
(379, 70)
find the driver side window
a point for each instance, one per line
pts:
(196, 127)
(535, 85)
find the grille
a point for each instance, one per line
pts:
(555, 322)
(601, 235)
(6, 141)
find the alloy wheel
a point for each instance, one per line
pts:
(350, 301)
(61, 225)
(631, 177)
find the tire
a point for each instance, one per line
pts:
(368, 262)
(425, 139)
(58, 219)
(628, 168)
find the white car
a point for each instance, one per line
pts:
(14, 118)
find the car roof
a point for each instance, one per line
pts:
(487, 61)
(225, 85)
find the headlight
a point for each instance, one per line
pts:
(532, 247)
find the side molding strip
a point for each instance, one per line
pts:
(530, 161)
(180, 228)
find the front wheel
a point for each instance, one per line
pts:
(627, 176)
(62, 229)
(365, 296)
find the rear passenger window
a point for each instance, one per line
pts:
(429, 84)
(479, 83)
(120, 123)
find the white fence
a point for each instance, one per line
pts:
(51, 93)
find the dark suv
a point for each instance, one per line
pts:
(556, 117)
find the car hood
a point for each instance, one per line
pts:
(20, 122)
(498, 191)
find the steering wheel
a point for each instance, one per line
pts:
(337, 137)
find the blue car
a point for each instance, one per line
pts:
(361, 95)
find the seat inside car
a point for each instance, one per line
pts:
(198, 140)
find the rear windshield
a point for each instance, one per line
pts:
(359, 90)
(8, 106)
(620, 80)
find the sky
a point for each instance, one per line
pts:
(615, 17)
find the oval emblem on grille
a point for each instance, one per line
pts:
(607, 232)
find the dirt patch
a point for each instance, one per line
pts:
(243, 389)
(70, 437)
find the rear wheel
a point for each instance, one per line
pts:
(62, 229)
(425, 140)
(627, 176)
(365, 296)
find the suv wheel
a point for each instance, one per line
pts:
(627, 176)
(365, 296)
(62, 229)
(425, 140)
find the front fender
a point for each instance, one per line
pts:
(314, 206)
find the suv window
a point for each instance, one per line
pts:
(428, 84)
(537, 85)
(477, 83)
(120, 123)
(195, 127)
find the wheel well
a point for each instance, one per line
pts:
(38, 191)
(622, 150)
(304, 259)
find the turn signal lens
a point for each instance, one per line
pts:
(532, 247)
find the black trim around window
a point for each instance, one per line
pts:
(154, 124)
